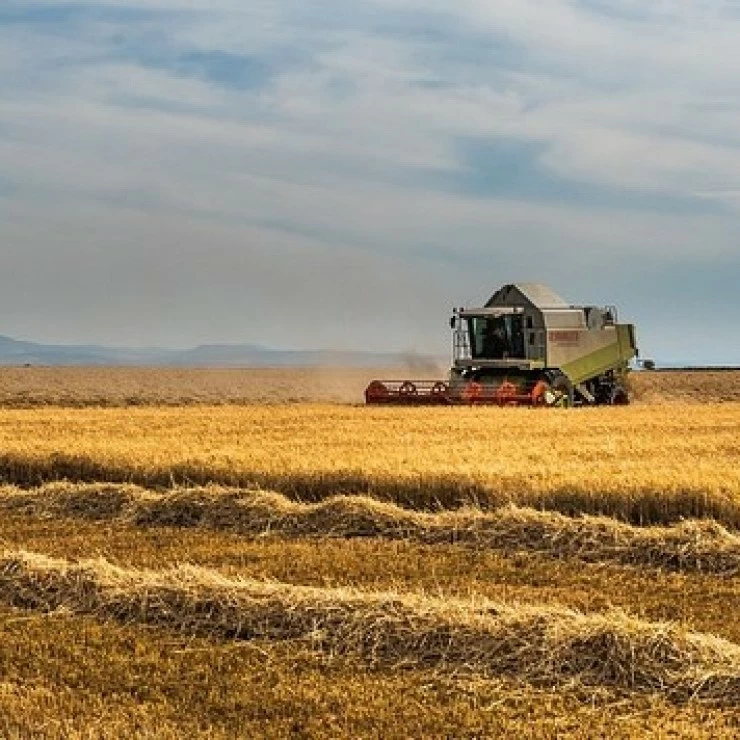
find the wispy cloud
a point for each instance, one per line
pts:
(319, 174)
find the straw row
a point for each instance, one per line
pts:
(428, 492)
(702, 546)
(541, 645)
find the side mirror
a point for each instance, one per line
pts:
(453, 322)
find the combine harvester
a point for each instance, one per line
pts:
(526, 347)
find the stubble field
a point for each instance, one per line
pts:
(74, 387)
(215, 566)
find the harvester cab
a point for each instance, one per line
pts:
(527, 346)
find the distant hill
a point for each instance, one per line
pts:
(17, 352)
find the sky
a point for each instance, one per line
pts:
(334, 175)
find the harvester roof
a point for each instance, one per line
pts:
(538, 295)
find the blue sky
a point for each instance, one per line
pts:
(329, 176)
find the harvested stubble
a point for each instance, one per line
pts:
(686, 387)
(79, 387)
(541, 645)
(699, 546)
(28, 387)
(106, 680)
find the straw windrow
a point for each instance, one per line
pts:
(541, 645)
(655, 504)
(702, 546)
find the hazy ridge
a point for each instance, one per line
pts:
(17, 352)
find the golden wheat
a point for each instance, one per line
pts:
(538, 644)
(106, 680)
(327, 482)
(645, 465)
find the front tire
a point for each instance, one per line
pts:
(563, 388)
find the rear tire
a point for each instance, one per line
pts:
(620, 397)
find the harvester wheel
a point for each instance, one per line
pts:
(407, 389)
(439, 389)
(620, 397)
(563, 390)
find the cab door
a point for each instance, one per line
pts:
(516, 336)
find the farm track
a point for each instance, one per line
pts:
(544, 646)
(691, 546)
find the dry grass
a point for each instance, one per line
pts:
(701, 546)
(646, 465)
(543, 646)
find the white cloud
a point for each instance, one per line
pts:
(343, 169)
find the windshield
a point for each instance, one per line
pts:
(497, 338)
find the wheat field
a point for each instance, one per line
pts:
(644, 464)
(180, 563)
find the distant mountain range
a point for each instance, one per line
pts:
(17, 352)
